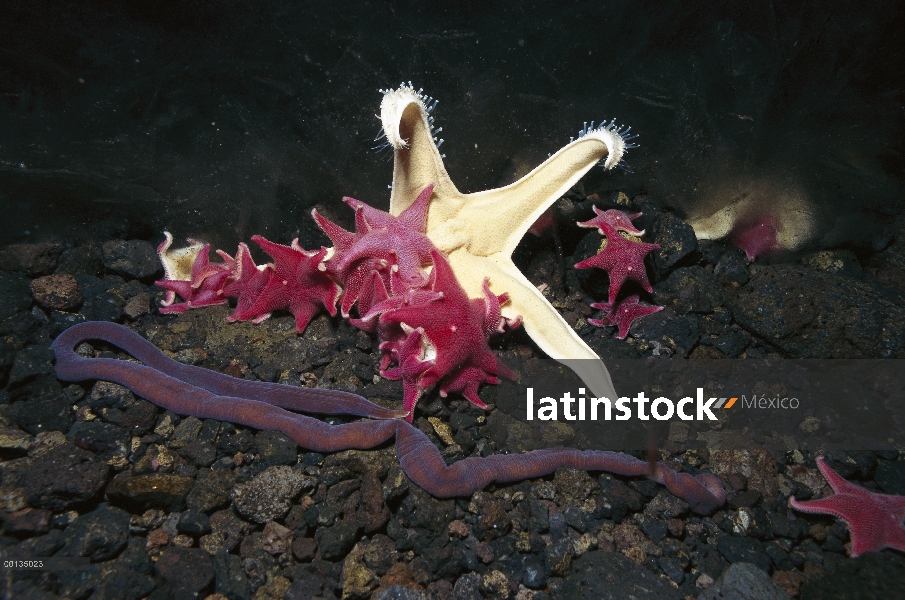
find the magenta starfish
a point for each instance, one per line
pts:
(624, 315)
(246, 282)
(623, 259)
(445, 337)
(204, 288)
(874, 520)
(613, 218)
(296, 284)
(379, 242)
(430, 331)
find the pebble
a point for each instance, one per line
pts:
(194, 523)
(693, 290)
(136, 258)
(142, 492)
(32, 259)
(744, 581)
(99, 535)
(186, 570)
(28, 521)
(227, 530)
(14, 442)
(137, 306)
(56, 292)
(15, 294)
(744, 549)
(65, 476)
(890, 476)
(676, 238)
(33, 363)
(611, 576)
(303, 548)
(336, 541)
(231, 580)
(269, 495)
(467, 587)
(275, 448)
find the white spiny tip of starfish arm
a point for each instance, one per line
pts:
(177, 264)
(392, 106)
(610, 136)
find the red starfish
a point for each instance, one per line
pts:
(445, 337)
(874, 520)
(246, 282)
(756, 237)
(614, 218)
(297, 284)
(379, 242)
(624, 315)
(623, 259)
(205, 288)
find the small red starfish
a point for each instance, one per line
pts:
(246, 282)
(296, 284)
(444, 337)
(615, 218)
(205, 288)
(624, 315)
(874, 520)
(623, 259)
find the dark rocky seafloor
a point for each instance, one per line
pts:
(176, 507)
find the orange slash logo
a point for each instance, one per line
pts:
(728, 404)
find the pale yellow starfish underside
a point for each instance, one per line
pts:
(480, 231)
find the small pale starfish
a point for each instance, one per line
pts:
(479, 231)
(874, 520)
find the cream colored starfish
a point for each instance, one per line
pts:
(480, 231)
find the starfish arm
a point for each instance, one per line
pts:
(454, 217)
(303, 311)
(836, 505)
(341, 238)
(177, 263)
(839, 485)
(517, 206)
(417, 162)
(542, 322)
(874, 520)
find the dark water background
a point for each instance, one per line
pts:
(221, 119)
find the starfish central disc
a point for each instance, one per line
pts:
(479, 231)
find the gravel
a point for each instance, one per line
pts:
(179, 507)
